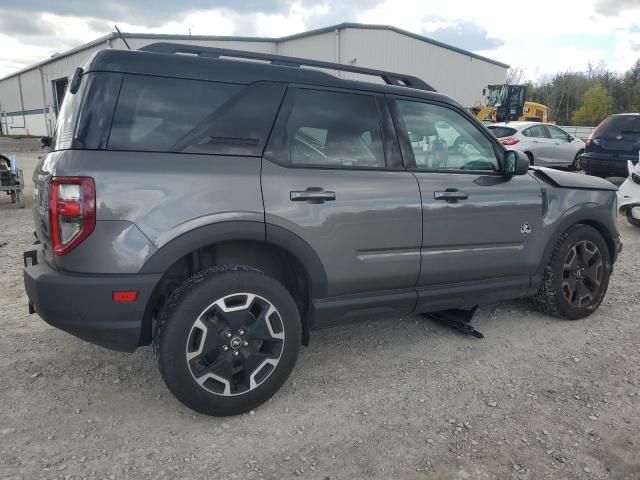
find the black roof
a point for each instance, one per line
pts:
(157, 60)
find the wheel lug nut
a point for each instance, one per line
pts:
(245, 344)
(225, 347)
(241, 332)
(228, 334)
(236, 353)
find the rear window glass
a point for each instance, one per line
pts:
(66, 121)
(154, 114)
(502, 132)
(620, 124)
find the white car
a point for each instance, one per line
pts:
(545, 144)
(629, 195)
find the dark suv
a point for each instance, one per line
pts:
(220, 209)
(614, 142)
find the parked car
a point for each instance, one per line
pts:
(222, 209)
(611, 145)
(545, 144)
(629, 195)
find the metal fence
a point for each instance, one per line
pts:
(578, 132)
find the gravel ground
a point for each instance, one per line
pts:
(537, 398)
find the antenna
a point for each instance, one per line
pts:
(122, 37)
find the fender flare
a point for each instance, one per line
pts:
(211, 234)
(591, 214)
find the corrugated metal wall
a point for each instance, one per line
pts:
(458, 75)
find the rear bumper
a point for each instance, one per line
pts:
(82, 305)
(605, 165)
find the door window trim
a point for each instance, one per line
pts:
(277, 146)
(405, 144)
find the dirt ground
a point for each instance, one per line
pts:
(537, 398)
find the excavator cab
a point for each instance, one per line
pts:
(507, 100)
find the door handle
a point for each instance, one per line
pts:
(312, 195)
(450, 195)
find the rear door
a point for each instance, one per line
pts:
(541, 144)
(332, 175)
(478, 225)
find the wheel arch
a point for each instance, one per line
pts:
(581, 215)
(274, 250)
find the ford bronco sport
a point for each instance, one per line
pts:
(220, 208)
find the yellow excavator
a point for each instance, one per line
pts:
(506, 103)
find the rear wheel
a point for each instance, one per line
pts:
(576, 278)
(227, 340)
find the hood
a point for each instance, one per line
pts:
(572, 180)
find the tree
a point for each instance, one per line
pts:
(596, 106)
(515, 75)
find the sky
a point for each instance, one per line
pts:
(541, 37)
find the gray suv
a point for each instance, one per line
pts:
(221, 205)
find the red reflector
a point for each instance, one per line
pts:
(125, 296)
(509, 141)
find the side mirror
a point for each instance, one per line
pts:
(570, 138)
(516, 163)
(45, 141)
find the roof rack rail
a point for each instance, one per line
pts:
(389, 78)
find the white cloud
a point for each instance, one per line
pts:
(544, 37)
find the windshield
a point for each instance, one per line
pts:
(495, 95)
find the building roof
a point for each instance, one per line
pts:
(309, 33)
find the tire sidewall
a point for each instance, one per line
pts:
(182, 310)
(564, 307)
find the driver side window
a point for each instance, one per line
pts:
(444, 140)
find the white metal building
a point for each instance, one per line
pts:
(30, 98)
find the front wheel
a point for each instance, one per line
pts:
(575, 165)
(227, 340)
(633, 221)
(576, 277)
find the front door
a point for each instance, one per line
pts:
(478, 225)
(332, 175)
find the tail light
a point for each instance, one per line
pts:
(509, 141)
(592, 140)
(72, 212)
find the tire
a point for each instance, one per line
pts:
(575, 166)
(220, 347)
(633, 221)
(530, 156)
(20, 199)
(579, 260)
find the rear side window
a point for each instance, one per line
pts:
(192, 116)
(537, 131)
(620, 125)
(332, 129)
(501, 132)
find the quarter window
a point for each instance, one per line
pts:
(154, 114)
(444, 140)
(334, 129)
